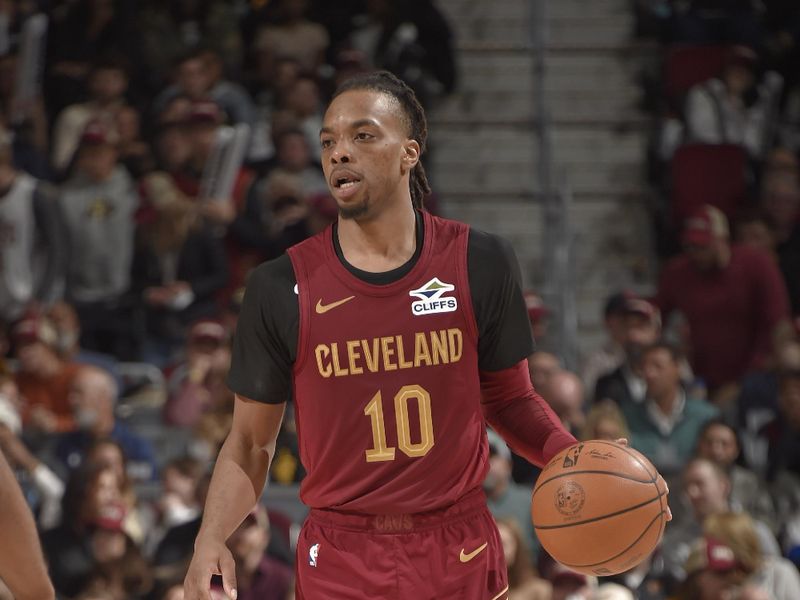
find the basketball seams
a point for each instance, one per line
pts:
(601, 517)
(589, 472)
(616, 556)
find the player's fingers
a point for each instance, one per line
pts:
(227, 569)
(622, 441)
(197, 589)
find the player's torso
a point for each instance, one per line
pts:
(386, 380)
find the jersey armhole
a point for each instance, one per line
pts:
(463, 277)
(304, 310)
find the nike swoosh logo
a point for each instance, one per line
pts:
(323, 308)
(464, 557)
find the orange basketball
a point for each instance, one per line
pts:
(599, 508)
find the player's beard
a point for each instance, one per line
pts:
(355, 211)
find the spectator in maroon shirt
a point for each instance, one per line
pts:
(733, 298)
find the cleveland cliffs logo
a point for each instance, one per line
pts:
(432, 299)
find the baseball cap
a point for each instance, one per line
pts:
(712, 554)
(210, 330)
(33, 327)
(704, 225)
(640, 306)
(561, 572)
(743, 56)
(97, 133)
(110, 517)
(617, 303)
(535, 306)
(204, 112)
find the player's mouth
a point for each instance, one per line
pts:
(345, 183)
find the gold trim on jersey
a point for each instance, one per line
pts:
(503, 591)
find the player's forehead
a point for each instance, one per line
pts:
(355, 107)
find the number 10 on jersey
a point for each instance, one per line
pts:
(374, 410)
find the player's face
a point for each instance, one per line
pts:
(719, 444)
(366, 152)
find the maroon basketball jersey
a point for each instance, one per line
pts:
(386, 385)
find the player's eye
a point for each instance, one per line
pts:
(363, 135)
(326, 143)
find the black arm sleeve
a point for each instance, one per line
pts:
(53, 235)
(265, 344)
(504, 329)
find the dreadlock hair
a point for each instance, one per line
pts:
(414, 118)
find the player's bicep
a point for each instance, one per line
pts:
(257, 424)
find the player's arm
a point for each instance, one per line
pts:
(236, 485)
(22, 566)
(510, 404)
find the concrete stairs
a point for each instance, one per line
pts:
(485, 144)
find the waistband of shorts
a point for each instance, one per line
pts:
(468, 505)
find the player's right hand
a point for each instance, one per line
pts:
(211, 557)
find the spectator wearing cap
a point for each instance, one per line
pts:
(734, 108)
(706, 487)
(179, 267)
(107, 85)
(198, 385)
(43, 378)
(92, 397)
(712, 572)
(566, 583)
(737, 531)
(611, 354)
(780, 203)
(625, 385)
(665, 426)
(99, 202)
(258, 575)
(504, 497)
(31, 227)
(537, 315)
(733, 298)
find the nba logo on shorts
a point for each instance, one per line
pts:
(313, 553)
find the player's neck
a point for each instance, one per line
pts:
(382, 243)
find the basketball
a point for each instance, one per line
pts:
(599, 508)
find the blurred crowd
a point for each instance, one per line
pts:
(121, 277)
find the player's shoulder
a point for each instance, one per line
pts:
(274, 274)
(489, 249)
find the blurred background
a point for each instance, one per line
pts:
(640, 155)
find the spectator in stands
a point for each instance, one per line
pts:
(719, 442)
(172, 147)
(92, 396)
(566, 583)
(31, 228)
(134, 153)
(179, 267)
(755, 231)
(537, 315)
(107, 85)
(85, 30)
(736, 108)
(41, 486)
(294, 36)
(258, 575)
(783, 433)
(625, 385)
(774, 574)
(665, 426)
(303, 103)
(780, 201)
(170, 30)
(707, 488)
(504, 497)
(199, 77)
(523, 584)
(43, 378)
(543, 366)
(178, 502)
(119, 569)
(90, 491)
(565, 394)
(712, 573)
(611, 354)
(294, 156)
(605, 421)
(99, 202)
(198, 385)
(733, 298)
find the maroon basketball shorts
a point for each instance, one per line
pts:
(452, 553)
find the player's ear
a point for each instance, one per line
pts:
(411, 152)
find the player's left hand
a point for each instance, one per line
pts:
(624, 442)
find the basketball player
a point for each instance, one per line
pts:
(400, 335)
(22, 567)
